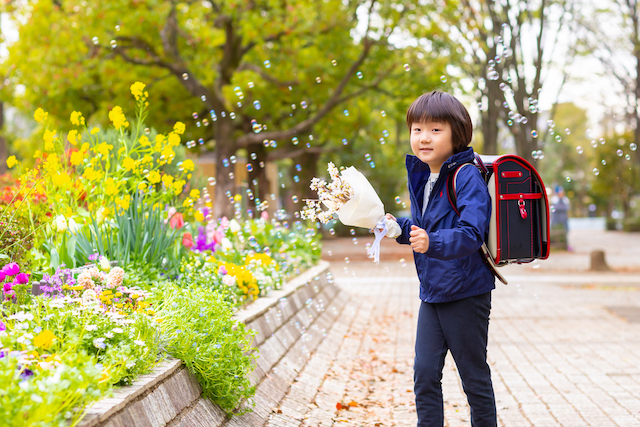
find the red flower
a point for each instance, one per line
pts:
(187, 240)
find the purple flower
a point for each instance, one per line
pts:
(26, 374)
(2, 276)
(11, 269)
(22, 278)
(3, 327)
(93, 257)
(7, 286)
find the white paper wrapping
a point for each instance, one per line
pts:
(365, 208)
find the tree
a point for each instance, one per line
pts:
(511, 45)
(216, 61)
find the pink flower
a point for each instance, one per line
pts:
(8, 286)
(175, 218)
(11, 269)
(22, 278)
(222, 270)
(224, 222)
(264, 215)
(218, 235)
(187, 240)
(2, 276)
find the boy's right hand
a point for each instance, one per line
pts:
(389, 216)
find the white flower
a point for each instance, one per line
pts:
(99, 343)
(108, 335)
(229, 280)
(234, 226)
(104, 263)
(140, 343)
(61, 223)
(226, 244)
(91, 327)
(73, 226)
(21, 316)
(117, 330)
(130, 364)
(89, 298)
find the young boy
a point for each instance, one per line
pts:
(455, 284)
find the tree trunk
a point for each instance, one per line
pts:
(225, 148)
(258, 174)
(3, 143)
(490, 117)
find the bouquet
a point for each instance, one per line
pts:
(356, 203)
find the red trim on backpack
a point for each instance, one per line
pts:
(521, 196)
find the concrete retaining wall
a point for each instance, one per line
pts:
(290, 323)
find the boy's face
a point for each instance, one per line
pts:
(431, 142)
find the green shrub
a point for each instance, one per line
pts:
(198, 328)
(631, 224)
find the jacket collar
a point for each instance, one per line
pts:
(415, 165)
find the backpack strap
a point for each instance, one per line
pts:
(453, 199)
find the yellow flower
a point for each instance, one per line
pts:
(37, 154)
(76, 158)
(129, 164)
(173, 139)
(48, 137)
(142, 186)
(104, 148)
(179, 128)
(44, 339)
(124, 203)
(154, 177)
(94, 131)
(76, 118)
(188, 165)
(40, 115)
(195, 194)
(168, 153)
(73, 137)
(137, 90)
(144, 141)
(117, 117)
(167, 180)
(12, 161)
(177, 187)
(198, 216)
(111, 187)
(187, 202)
(147, 159)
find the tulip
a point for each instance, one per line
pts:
(187, 240)
(61, 223)
(264, 215)
(2, 276)
(7, 286)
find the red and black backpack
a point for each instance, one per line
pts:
(519, 228)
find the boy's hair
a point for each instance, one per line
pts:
(442, 107)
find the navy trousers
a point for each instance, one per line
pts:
(460, 326)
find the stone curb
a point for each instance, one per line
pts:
(290, 323)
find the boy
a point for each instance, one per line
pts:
(455, 284)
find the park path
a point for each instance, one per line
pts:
(563, 346)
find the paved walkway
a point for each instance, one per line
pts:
(563, 346)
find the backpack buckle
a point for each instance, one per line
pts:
(523, 210)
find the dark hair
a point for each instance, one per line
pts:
(442, 107)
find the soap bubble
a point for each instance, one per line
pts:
(294, 140)
(205, 122)
(265, 142)
(273, 143)
(551, 124)
(232, 115)
(604, 162)
(602, 141)
(619, 152)
(298, 167)
(346, 259)
(579, 149)
(558, 138)
(267, 64)
(318, 80)
(195, 116)
(249, 167)
(352, 232)
(385, 133)
(383, 113)
(95, 40)
(201, 141)
(212, 180)
(359, 74)
(534, 133)
(334, 62)
(407, 67)
(332, 232)
(303, 104)
(203, 98)
(594, 143)
(367, 157)
(627, 156)
(346, 112)
(443, 79)
(114, 44)
(294, 199)
(372, 165)
(567, 131)
(633, 146)
(250, 85)
(398, 200)
(344, 141)
(296, 178)
(225, 163)
(257, 127)
(596, 171)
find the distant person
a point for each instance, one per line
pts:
(455, 283)
(561, 206)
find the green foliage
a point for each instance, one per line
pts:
(198, 328)
(137, 235)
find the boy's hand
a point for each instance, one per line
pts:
(419, 239)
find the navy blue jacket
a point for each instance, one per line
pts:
(452, 268)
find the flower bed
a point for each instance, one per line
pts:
(73, 325)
